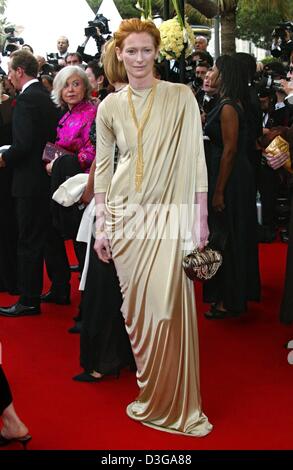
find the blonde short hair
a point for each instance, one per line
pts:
(60, 82)
(114, 70)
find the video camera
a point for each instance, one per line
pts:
(268, 83)
(99, 22)
(52, 58)
(11, 41)
(98, 29)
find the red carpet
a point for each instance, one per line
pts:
(246, 381)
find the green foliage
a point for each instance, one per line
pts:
(2, 21)
(269, 59)
(2, 6)
(126, 8)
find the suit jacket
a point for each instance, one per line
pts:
(34, 124)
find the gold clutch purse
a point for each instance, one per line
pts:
(278, 145)
(202, 265)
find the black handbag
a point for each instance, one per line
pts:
(52, 151)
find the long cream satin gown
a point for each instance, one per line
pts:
(159, 305)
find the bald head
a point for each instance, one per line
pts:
(62, 44)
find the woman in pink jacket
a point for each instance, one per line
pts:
(72, 93)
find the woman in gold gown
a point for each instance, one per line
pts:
(161, 174)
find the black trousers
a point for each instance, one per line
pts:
(8, 234)
(57, 261)
(286, 310)
(5, 392)
(64, 226)
(268, 183)
(32, 218)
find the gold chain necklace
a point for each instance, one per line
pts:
(140, 128)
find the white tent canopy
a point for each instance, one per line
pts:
(42, 23)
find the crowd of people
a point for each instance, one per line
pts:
(138, 145)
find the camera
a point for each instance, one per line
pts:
(268, 84)
(52, 58)
(197, 83)
(9, 30)
(99, 22)
(11, 41)
(189, 72)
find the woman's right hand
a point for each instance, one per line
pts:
(102, 248)
(218, 201)
(86, 197)
(49, 166)
(276, 162)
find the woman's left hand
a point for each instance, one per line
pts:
(200, 234)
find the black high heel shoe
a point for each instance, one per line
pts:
(216, 314)
(87, 377)
(23, 440)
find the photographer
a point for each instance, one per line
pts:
(200, 70)
(287, 87)
(62, 46)
(282, 45)
(44, 67)
(275, 113)
(58, 59)
(276, 162)
(200, 45)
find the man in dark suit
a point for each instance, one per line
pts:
(34, 123)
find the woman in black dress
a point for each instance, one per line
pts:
(8, 234)
(232, 205)
(104, 343)
(13, 428)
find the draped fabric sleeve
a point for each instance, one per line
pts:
(104, 148)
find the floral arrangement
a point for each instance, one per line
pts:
(175, 36)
